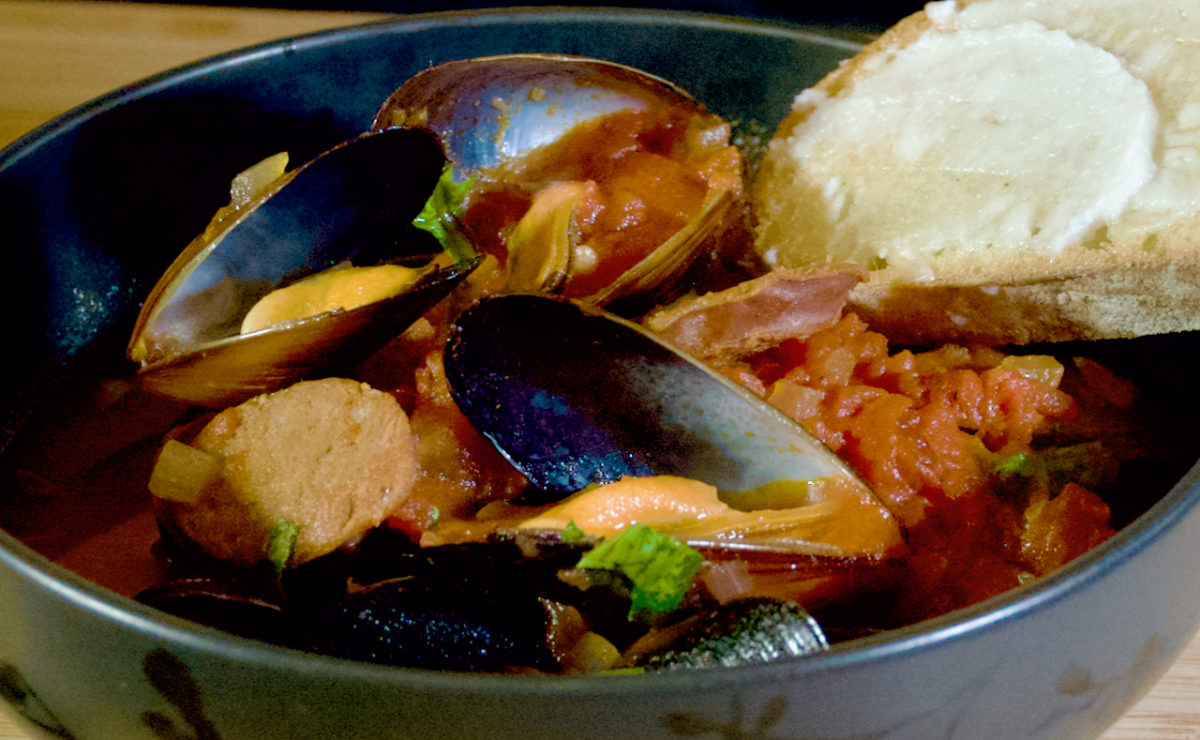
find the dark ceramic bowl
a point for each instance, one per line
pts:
(97, 202)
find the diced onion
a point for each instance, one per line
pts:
(594, 653)
(1043, 368)
(255, 179)
(727, 580)
(182, 472)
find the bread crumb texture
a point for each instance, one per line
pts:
(1047, 151)
(333, 456)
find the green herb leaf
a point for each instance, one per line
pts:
(440, 214)
(1048, 469)
(1087, 464)
(572, 533)
(659, 568)
(281, 543)
(1019, 463)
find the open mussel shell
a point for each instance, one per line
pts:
(225, 371)
(358, 198)
(572, 396)
(489, 110)
(656, 279)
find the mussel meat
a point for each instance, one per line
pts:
(357, 198)
(535, 130)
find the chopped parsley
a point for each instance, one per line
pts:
(1019, 463)
(281, 543)
(440, 214)
(1086, 464)
(660, 569)
(572, 533)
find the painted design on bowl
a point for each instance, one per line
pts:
(1105, 700)
(689, 725)
(15, 690)
(172, 680)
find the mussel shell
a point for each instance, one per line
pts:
(229, 370)
(435, 624)
(359, 197)
(495, 108)
(492, 111)
(353, 195)
(235, 605)
(742, 632)
(571, 396)
(472, 607)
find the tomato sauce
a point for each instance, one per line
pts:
(983, 457)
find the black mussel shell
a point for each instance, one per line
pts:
(572, 396)
(742, 632)
(352, 204)
(241, 606)
(435, 624)
(470, 607)
(358, 197)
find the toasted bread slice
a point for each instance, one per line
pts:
(1008, 170)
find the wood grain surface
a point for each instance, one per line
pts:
(57, 54)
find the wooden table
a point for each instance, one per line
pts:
(57, 54)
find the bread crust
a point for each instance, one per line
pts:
(1103, 287)
(1111, 304)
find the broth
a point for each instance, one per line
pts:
(79, 462)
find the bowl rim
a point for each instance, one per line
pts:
(850, 38)
(964, 624)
